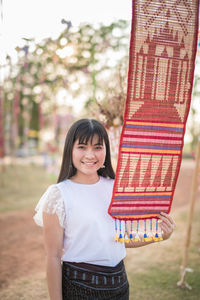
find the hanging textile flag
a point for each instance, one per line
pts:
(161, 69)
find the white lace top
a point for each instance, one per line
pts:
(89, 230)
(51, 202)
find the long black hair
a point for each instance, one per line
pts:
(83, 130)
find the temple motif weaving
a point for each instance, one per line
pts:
(161, 69)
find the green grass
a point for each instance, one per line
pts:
(153, 271)
(22, 186)
(159, 283)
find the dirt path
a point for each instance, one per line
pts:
(21, 246)
(21, 242)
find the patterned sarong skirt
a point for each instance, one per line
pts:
(81, 281)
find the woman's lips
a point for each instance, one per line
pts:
(89, 163)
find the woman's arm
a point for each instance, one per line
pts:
(167, 226)
(53, 240)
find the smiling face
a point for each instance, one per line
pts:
(87, 159)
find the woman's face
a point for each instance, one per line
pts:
(88, 158)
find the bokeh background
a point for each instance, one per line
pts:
(61, 61)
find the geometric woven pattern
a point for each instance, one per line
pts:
(161, 68)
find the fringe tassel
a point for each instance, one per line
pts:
(151, 231)
(126, 238)
(137, 238)
(156, 237)
(131, 234)
(145, 231)
(122, 236)
(121, 239)
(160, 238)
(116, 238)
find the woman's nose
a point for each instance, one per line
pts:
(89, 154)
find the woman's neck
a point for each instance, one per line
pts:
(85, 179)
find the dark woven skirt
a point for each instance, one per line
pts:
(81, 281)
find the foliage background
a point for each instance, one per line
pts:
(81, 73)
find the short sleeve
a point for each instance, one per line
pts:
(51, 202)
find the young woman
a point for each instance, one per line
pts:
(83, 260)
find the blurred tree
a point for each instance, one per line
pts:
(90, 61)
(84, 60)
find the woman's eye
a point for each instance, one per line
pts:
(81, 147)
(99, 147)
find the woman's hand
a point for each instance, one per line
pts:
(167, 225)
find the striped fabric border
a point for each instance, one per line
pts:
(161, 143)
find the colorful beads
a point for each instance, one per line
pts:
(156, 238)
(126, 238)
(121, 238)
(145, 229)
(131, 234)
(131, 237)
(137, 238)
(116, 238)
(150, 232)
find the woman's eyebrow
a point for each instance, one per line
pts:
(82, 143)
(98, 144)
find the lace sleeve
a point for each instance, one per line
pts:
(52, 203)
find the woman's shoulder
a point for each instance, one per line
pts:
(52, 194)
(51, 202)
(51, 188)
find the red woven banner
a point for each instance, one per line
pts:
(161, 68)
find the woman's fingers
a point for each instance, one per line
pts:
(167, 219)
(167, 225)
(166, 228)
